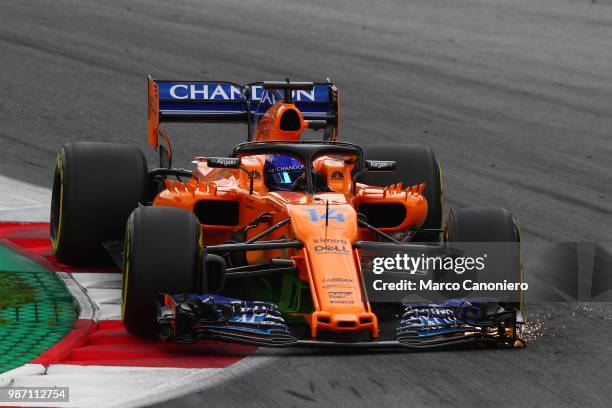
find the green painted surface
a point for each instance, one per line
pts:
(295, 299)
(36, 309)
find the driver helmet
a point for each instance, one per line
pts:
(281, 171)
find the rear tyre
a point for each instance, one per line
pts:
(489, 225)
(162, 255)
(416, 164)
(95, 187)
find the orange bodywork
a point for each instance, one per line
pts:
(327, 263)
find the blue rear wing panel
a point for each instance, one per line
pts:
(201, 102)
(212, 100)
(220, 102)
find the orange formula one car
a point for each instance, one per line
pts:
(266, 246)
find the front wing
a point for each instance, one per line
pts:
(186, 318)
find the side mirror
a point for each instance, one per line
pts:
(373, 165)
(223, 162)
(231, 163)
(380, 165)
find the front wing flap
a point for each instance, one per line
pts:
(188, 318)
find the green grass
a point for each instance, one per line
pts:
(36, 309)
(14, 291)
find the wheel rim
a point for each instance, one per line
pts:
(57, 201)
(126, 269)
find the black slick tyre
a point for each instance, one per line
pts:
(162, 255)
(95, 188)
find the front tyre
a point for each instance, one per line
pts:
(162, 255)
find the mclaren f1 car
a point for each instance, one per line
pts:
(265, 246)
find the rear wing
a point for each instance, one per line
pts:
(221, 102)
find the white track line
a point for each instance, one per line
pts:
(104, 290)
(98, 295)
(21, 201)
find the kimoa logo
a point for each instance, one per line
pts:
(230, 92)
(330, 241)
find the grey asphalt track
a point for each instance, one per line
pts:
(515, 96)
